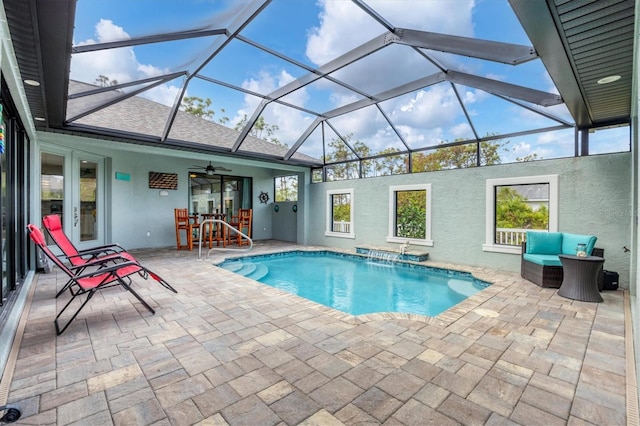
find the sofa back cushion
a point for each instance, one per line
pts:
(571, 241)
(544, 242)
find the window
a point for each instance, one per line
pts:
(286, 188)
(410, 214)
(340, 214)
(516, 205)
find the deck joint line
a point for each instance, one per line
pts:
(630, 362)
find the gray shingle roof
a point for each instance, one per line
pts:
(146, 117)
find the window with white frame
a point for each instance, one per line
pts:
(410, 214)
(340, 214)
(285, 188)
(517, 205)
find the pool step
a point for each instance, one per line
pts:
(462, 287)
(232, 266)
(259, 272)
(247, 269)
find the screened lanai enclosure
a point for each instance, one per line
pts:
(350, 88)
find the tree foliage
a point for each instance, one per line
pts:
(104, 81)
(512, 211)
(286, 188)
(341, 207)
(530, 157)
(261, 130)
(458, 157)
(451, 157)
(411, 213)
(338, 150)
(199, 107)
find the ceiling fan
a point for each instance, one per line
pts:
(210, 169)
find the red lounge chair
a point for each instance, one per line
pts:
(88, 283)
(80, 259)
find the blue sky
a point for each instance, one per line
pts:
(313, 33)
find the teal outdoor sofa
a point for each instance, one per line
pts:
(540, 263)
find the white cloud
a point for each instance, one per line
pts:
(291, 122)
(431, 107)
(118, 64)
(461, 130)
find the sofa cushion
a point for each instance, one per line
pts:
(544, 242)
(571, 241)
(543, 259)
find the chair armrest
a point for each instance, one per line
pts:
(597, 252)
(101, 262)
(106, 270)
(114, 248)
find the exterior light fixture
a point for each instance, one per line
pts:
(39, 118)
(32, 82)
(609, 79)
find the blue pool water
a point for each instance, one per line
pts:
(357, 285)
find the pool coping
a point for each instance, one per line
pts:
(448, 317)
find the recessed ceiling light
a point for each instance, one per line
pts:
(38, 118)
(609, 79)
(32, 82)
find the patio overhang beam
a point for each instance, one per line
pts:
(389, 94)
(257, 95)
(248, 15)
(342, 61)
(163, 78)
(453, 144)
(137, 41)
(303, 138)
(496, 87)
(115, 100)
(301, 65)
(343, 139)
(537, 111)
(464, 110)
(365, 7)
(393, 127)
(506, 53)
(250, 122)
(373, 157)
(353, 55)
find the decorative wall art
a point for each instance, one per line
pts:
(159, 180)
(263, 197)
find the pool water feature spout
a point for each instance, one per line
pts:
(383, 256)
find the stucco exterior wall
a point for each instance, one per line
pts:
(133, 209)
(594, 198)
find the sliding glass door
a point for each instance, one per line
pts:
(219, 194)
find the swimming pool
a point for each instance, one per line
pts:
(357, 285)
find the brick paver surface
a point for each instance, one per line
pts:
(228, 350)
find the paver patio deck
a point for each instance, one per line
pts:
(229, 350)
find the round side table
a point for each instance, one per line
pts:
(580, 277)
